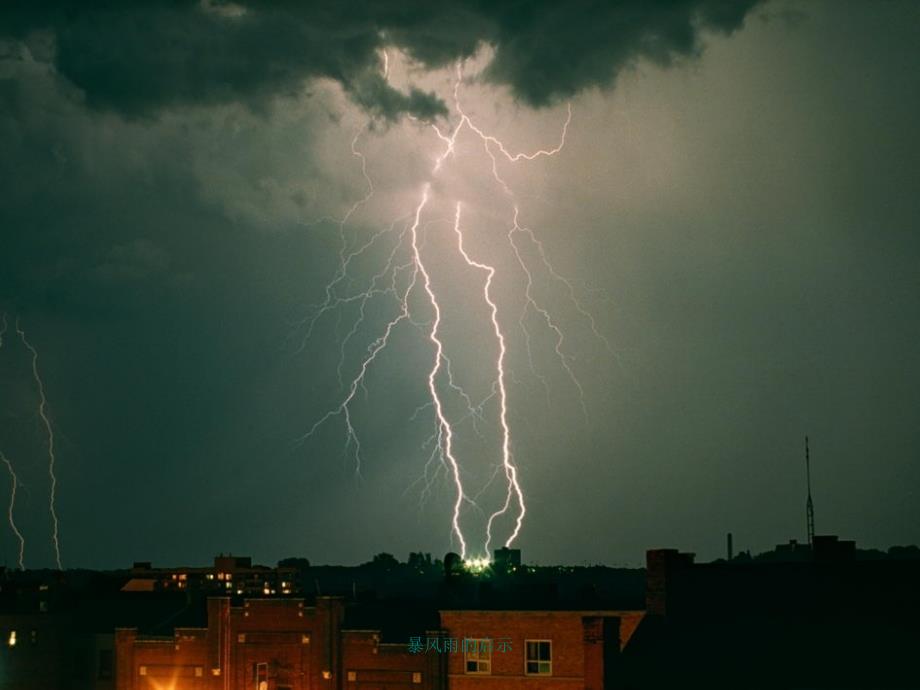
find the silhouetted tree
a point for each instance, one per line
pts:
(419, 562)
(453, 564)
(294, 562)
(385, 561)
(905, 553)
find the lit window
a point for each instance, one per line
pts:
(12, 639)
(478, 656)
(142, 671)
(538, 659)
(416, 678)
(199, 671)
(352, 676)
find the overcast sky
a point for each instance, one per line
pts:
(735, 206)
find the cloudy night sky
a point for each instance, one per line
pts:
(720, 256)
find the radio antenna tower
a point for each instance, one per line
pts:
(809, 506)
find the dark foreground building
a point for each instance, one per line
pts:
(826, 621)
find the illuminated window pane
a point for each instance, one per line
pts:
(478, 656)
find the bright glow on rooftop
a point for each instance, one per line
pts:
(476, 565)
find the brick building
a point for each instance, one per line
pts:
(229, 575)
(284, 644)
(271, 644)
(281, 643)
(551, 650)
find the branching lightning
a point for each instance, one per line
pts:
(14, 480)
(43, 414)
(445, 430)
(507, 461)
(14, 483)
(404, 275)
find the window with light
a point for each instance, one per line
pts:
(478, 656)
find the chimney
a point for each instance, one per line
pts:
(661, 568)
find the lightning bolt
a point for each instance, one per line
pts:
(445, 430)
(345, 257)
(14, 480)
(507, 460)
(492, 144)
(42, 413)
(524, 244)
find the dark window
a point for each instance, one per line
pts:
(539, 659)
(105, 663)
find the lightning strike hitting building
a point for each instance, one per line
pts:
(406, 276)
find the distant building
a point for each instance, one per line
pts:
(230, 575)
(507, 560)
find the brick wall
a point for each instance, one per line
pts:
(367, 663)
(580, 649)
(296, 643)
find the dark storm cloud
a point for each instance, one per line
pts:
(141, 57)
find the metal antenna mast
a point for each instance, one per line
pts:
(809, 506)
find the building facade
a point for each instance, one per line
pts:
(283, 644)
(551, 650)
